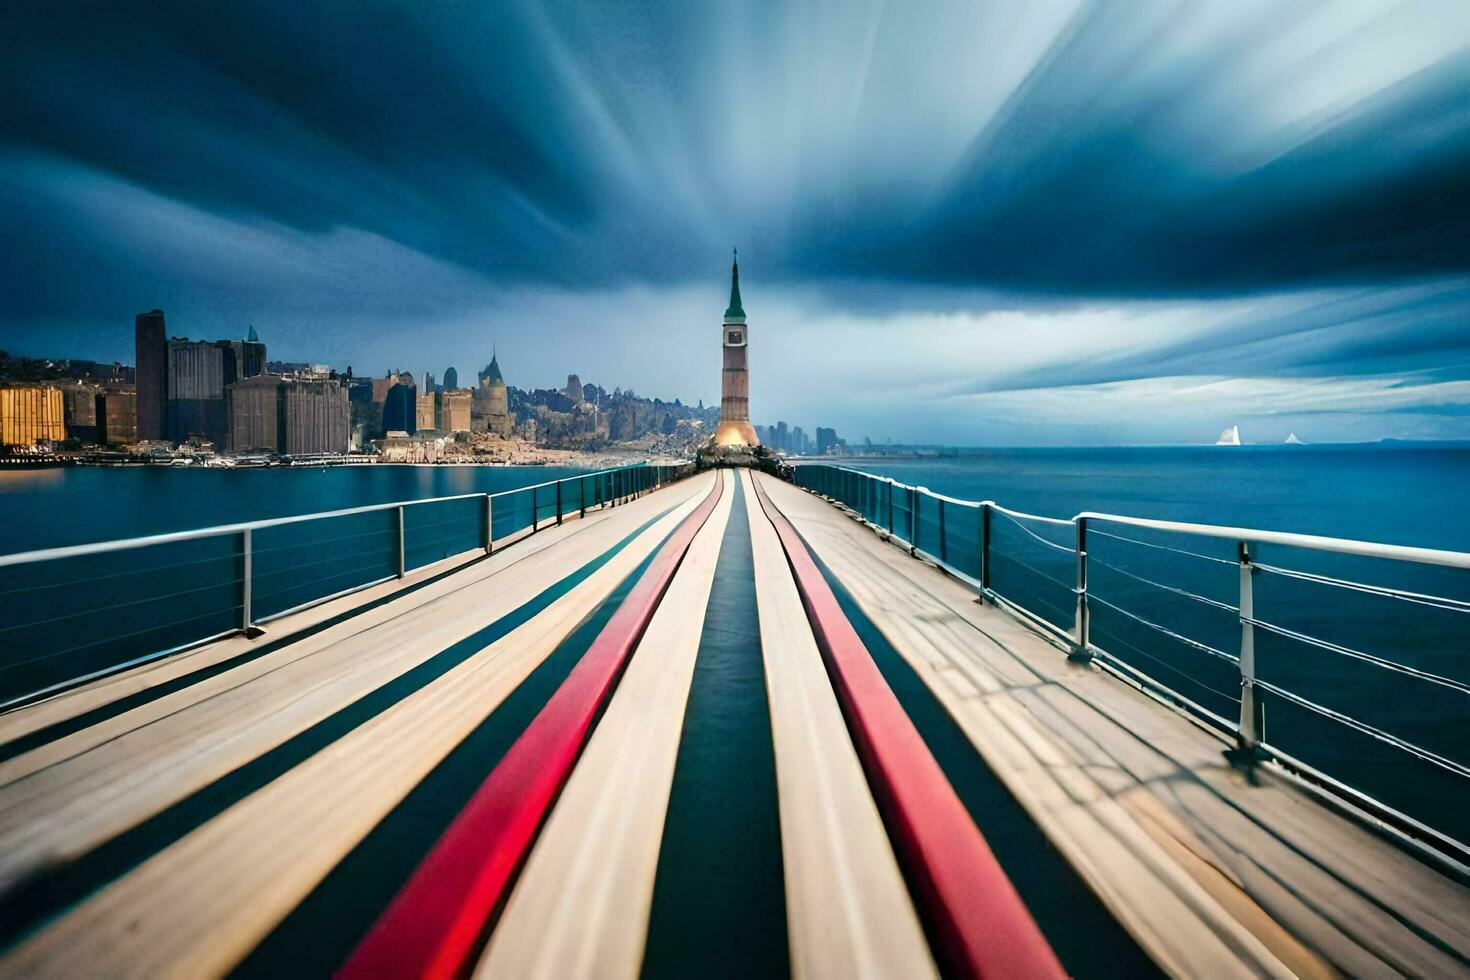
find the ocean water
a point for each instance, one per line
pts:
(1148, 604)
(48, 508)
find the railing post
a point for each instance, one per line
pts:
(402, 568)
(582, 495)
(943, 547)
(890, 506)
(1248, 736)
(489, 523)
(984, 549)
(1083, 648)
(558, 503)
(245, 552)
(913, 520)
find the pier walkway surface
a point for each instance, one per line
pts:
(723, 729)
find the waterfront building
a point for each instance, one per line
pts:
(827, 442)
(455, 410)
(451, 379)
(31, 414)
(491, 406)
(735, 428)
(573, 390)
(150, 347)
(426, 403)
(249, 355)
(255, 414)
(198, 371)
(117, 418)
(296, 416)
(81, 411)
(400, 406)
(317, 417)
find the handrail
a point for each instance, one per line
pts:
(1316, 542)
(172, 537)
(405, 545)
(893, 508)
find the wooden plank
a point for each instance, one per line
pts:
(601, 842)
(198, 907)
(849, 913)
(980, 925)
(433, 926)
(163, 751)
(1117, 779)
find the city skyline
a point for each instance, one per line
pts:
(1109, 228)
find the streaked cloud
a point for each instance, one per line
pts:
(948, 209)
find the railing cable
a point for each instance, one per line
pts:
(1093, 560)
(1027, 530)
(1366, 729)
(1397, 668)
(1419, 598)
(1202, 647)
(1093, 530)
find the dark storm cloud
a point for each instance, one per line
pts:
(1137, 151)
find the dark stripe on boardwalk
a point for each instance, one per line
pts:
(321, 932)
(50, 893)
(719, 900)
(976, 921)
(437, 923)
(1086, 937)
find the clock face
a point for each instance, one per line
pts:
(733, 337)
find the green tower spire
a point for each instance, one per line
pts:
(735, 308)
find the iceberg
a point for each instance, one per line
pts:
(1292, 440)
(1230, 437)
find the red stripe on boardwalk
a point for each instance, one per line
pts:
(979, 923)
(433, 926)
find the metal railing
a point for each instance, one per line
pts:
(1144, 588)
(69, 615)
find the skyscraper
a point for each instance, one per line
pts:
(735, 428)
(151, 354)
(451, 379)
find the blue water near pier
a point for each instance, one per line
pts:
(1397, 494)
(48, 508)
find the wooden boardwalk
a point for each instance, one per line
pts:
(524, 711)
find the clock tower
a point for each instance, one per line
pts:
(735, 428)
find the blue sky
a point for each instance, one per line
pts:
(1002, 223)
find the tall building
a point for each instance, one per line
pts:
(294, 417)
(492, 401)
(428, 387)
(573, 389)
(454, 410)
(451, 379)
(249, 355)
(255, 414)
(30, 415)
(401, 407)
(735, 428)
(426, 404)
(150, 346)
(198, 371)
(317, 418)
(826, 441)
(81, 411)
(117, 418)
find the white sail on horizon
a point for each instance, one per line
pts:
(1292, 440)
(1230, 437)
